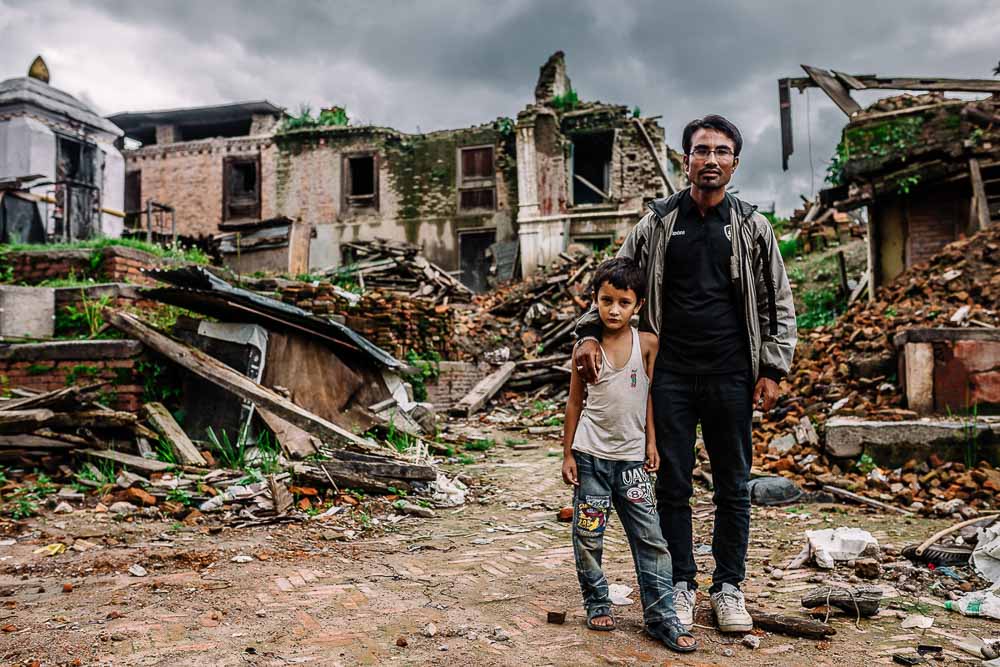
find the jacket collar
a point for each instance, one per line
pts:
(661, 207)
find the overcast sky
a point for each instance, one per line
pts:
(442, 64)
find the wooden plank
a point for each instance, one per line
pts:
(31, 441)
(214, 371)
(671, 189)
(149, 465)
(842, 272)
(485, 389)
(23, 421)
(794, 626)
(296, 442)
(171, 433)
(859, 290)
(979, 194)
(834, 89)
(593, 187)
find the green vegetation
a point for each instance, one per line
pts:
(81, 372)
(268, 454)
(23, 501)
(179, 496)
(906, 183)
(84, 319)
(335, 117)
(865, 464)
(513, 442)
(39, 369)
(822, 307)
(539, 407)
(481, 445)
(428, 365)
(164, 452)
(567, 101)
(465, 459)
(194, 255)
(230, 454)
(101, 471)
(158, 382)
(869, 142)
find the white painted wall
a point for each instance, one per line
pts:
(112, 190)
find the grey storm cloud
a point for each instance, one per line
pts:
(436, 64)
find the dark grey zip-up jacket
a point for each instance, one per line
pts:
(756, 268)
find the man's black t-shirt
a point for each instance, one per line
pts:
(702, 330)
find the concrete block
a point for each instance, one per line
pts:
(892, 443)
(27, 312)
(919, 361)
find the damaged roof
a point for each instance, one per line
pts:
(198, 290)
(132, 121)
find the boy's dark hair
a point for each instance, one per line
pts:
(712, 122)
(623, 273)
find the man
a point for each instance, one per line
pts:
(719, 299)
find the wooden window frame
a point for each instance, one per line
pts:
(464, 184)
(350, 203)
(228, 163)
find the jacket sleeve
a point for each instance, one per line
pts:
(636, 247)
(775, 307)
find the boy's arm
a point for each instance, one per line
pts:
(574, 406)
(650, 346)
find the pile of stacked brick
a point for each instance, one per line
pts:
(109, 264)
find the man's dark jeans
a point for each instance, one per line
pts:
(625, 486)
(723, 405)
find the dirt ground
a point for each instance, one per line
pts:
(485, 574)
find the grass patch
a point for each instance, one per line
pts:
(513, 442)
(465, 459)
(822, 307)
(481, 445)
(194, 255)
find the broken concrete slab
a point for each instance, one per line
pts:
(892, 443)
(27, 312)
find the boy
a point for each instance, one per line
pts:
(608, 454)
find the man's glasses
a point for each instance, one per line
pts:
(722, 153)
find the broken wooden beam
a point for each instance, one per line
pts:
(171, 433)
(843, 493)
(149, 465)
(793, 626)
(484, 390)
(293, 440)
(213, 370)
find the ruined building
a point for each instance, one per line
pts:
(302, 189)
(926, 167)
(60, 172)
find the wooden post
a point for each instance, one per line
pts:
(842, 266)
(980, 203)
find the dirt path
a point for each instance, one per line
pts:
(484, 574)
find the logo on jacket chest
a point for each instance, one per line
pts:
(728, 229)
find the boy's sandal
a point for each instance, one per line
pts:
(597, 612)
(669, 631)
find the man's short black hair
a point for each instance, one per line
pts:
(623, 273)
(712, 122)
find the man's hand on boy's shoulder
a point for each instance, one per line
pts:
(587, 359)
(569, 473)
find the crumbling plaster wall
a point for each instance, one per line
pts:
(547, 219)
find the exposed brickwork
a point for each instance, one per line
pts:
(457, 378)
(115, 264)
(396, 324)
(34, 368)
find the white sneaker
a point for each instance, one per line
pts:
(684, 603)
(731, 610)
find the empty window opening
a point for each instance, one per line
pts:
(242, 188)
(476, 179)
(76, 161)
(595, 243)
(591, 167)
(361, 182)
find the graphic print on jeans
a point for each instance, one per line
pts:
(625, 486)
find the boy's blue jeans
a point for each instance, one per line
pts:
(625, 486)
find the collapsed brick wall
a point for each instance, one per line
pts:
(396, 324)
(112, 263)
(49, 366)
(456, 379)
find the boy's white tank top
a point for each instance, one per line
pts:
(613, 422)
